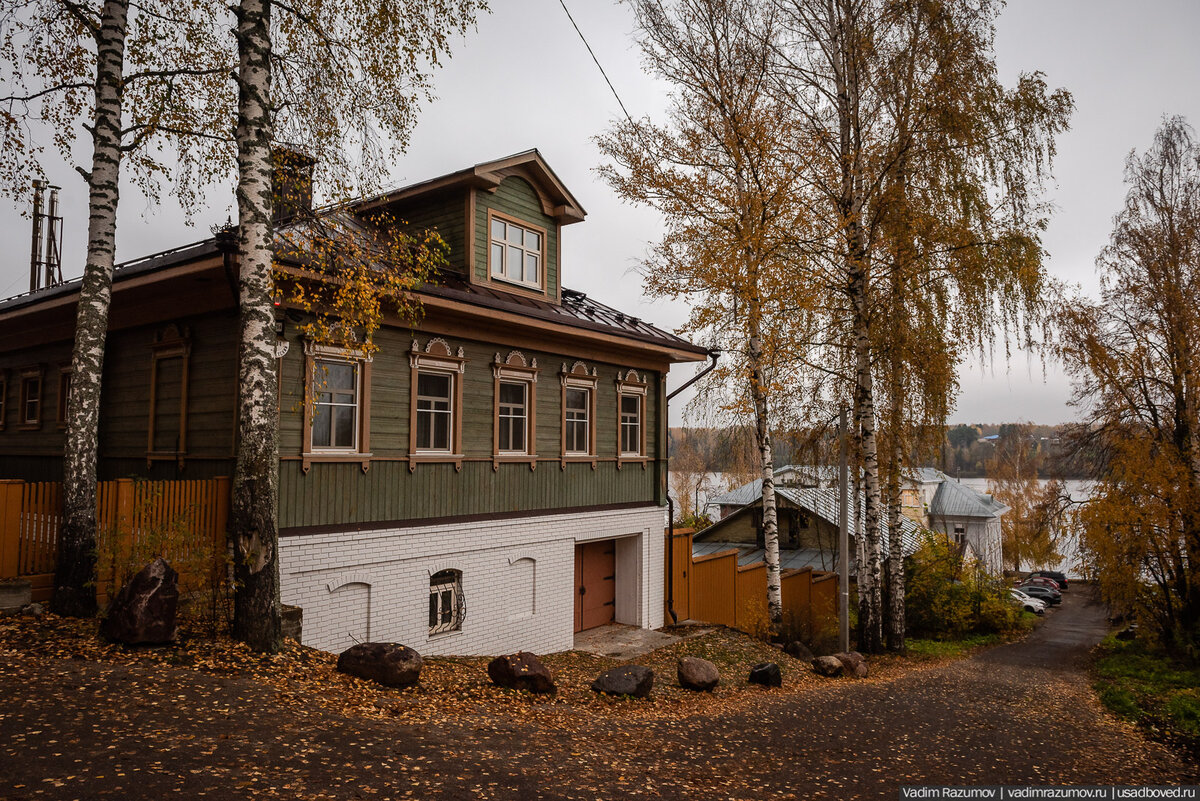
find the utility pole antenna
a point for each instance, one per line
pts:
(843, 534)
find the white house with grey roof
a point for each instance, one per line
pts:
(968, 517)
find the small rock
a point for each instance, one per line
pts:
(766, 674)
(521, 671)
(634, 680)
(697, 674)
(829, 666)
(143, 612)
(34, 610)
(388, 663)
(798, 650)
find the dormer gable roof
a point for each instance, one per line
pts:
(557, 200)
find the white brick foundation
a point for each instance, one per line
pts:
(518, 580)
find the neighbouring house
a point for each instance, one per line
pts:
(971, 519)
(808, 522)
(488, 480)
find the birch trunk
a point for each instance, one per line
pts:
(75, 569)
(895, 571)
(770, 519)
(254, 511)
(870, 584)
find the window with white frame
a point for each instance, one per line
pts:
(435, 411)
(631, 424)
(336, 395)
(960, 533)
(515, 253)
(512, 416)
(445, 601)
(576, 408)
(29, 412)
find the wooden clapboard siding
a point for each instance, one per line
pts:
(517, 198)
(332, 494)
(444, 212)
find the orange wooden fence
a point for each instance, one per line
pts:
(715, 589)
(184, 521)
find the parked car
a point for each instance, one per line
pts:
(1046, 594)
(1039, 581)
(1058, 577)
(1027, 602)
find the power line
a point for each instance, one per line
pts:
(592, 53)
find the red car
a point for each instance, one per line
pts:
(1039, 581)
(1053, 575)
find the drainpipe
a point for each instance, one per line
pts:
(713, 355)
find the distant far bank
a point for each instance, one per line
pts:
(965, 452)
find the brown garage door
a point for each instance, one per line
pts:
(595, 584)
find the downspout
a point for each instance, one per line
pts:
(713, 355)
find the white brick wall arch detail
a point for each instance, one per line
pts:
(517, 557)
(438, 567)
(350, 578)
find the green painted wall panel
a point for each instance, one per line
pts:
(341, 493)
(446, 212)
(516, 198)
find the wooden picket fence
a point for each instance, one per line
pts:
(183, 521)
(715, 589)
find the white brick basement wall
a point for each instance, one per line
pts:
(518, 581)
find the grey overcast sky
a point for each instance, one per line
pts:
(524, 79)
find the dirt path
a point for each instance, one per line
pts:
(1018, 714)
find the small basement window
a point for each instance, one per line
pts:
(445, 601)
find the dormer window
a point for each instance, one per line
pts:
(516, 253)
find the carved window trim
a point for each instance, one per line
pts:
(437, 357)
(170, 343)
(64, 396)
(577, 376)
(315, 352)
(30, 377)
(515, 368)
(631, 384)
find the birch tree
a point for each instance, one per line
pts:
(125, 75)
(719, 173)
(341, 80)
(927, 171)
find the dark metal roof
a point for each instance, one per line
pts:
(122, 272)
(576, 310)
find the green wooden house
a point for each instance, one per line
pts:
(492, 478)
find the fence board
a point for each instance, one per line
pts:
(183, 521)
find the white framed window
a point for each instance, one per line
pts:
(445, 602)
(29, 409)
(960, 533)
(631, 424)
(576, 420)
(337, 392)
(435, 411)
(515, 252)
(512, 417)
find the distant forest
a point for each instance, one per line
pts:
(965, 450)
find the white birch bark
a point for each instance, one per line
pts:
(254, 511)
(770, 518)
(75, 570)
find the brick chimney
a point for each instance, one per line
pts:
(293, 183)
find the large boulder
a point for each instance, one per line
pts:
(634, 680)
(387, 663)
(766, 674)
(798, 650)
(697, 674)
(143, 612)
(829, 666)
(521, 671)
(854, 662)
